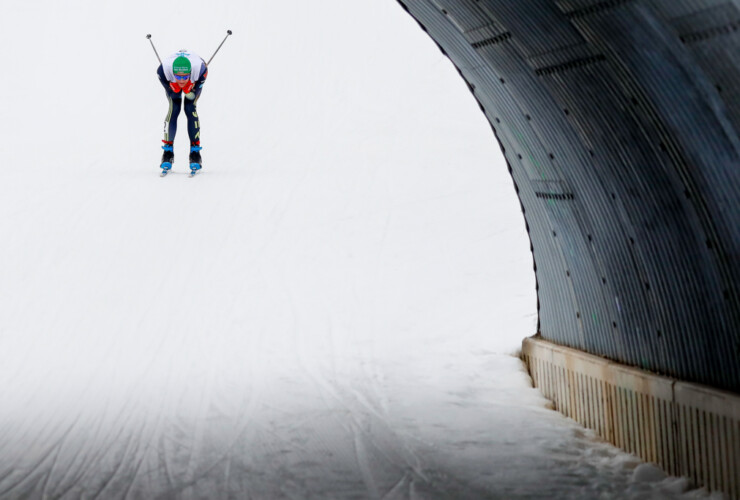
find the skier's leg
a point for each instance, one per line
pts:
(170, 129)
(193, 121)
(194, 133)
(170, 121)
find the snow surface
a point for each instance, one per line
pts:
(328, 311)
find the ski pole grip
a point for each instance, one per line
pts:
(149, 37)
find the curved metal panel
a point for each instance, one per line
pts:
(619, 121)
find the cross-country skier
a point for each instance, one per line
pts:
(182, 74)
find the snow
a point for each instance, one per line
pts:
(328, 311)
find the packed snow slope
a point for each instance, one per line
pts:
(327, 311)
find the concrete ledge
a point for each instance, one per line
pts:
(688, 429)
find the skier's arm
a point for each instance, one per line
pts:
(198, 87)
(199, 83)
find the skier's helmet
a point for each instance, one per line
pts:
(181, 66)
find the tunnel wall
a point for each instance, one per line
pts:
(619, 122)
(689, 429)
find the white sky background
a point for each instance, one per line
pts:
(344, 92)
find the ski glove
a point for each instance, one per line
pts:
(186, 89)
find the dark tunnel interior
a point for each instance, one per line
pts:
(619, 122)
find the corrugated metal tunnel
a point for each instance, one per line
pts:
(619, 121)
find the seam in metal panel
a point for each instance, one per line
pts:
(492, 40)
(727, 29)
(577, 63)
(595, 8)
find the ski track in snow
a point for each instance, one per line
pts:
(265, 386)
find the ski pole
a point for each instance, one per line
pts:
(228, 32)
(149, 37)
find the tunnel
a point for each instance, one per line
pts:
(619, 122)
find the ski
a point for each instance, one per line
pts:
(194, 169)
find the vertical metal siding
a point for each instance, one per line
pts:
(689, 430)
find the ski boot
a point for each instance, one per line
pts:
(167, 158)
(195, 160)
